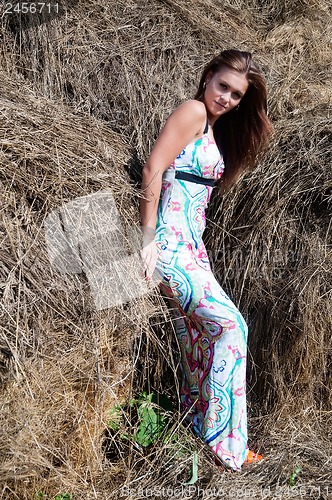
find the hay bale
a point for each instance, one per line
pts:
(77, 90)
(64, 362)
(128, 64)
(275, 259)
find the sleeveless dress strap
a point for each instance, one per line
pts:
(206, 127)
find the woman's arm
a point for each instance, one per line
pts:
(185, 124)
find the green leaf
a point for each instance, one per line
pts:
(194, 470)
(152, 418)
(294, 476)
(63, 496)
(151, 425)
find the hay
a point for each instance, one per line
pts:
(281, 271)
(61, 359)
(83, 96)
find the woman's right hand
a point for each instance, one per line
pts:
(149, 254)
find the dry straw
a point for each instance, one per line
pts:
(83, 96)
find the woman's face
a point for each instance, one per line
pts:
(224, 90)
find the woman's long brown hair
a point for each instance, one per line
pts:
(243, 133)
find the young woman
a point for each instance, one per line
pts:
(206, 143)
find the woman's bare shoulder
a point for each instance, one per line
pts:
(190, 114)
(194, 107)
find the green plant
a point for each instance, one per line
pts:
(294, 476)
(150, 415)
(152, 420)
(194, 470)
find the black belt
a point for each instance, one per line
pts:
(185, 176)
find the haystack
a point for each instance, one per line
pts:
(83, 97)
(61, 356)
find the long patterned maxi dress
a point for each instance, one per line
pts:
(211, 331)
